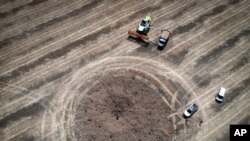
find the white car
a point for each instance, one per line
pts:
(220, 95)
(143, 27)
(190, 110)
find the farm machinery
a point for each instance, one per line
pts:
(141, 34)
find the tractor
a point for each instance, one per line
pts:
(141, 34)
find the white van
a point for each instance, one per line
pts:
(220, 95)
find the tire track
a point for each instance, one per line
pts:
(17, 9)
(64, 64)
(225, 81)
(36, 85)
(233, 94)
(27, 128)
(170, 50)
(184, 52)
(88, 75)
(208, 105)
(201, 96)
(4, 2)
(200, 20)
(241, 62)
(189, 62)
(57, 75)
(68, 36)
(34, 47)
(11, 53)
(199, 70)
(29, 111)
(66, 49)
(208, 101)
(224, 72)
(229, 115)
(40, 27)
(76, 23)
(203, 79)
(32, 14)
(184, 10)
(227, 46)
(194, 52)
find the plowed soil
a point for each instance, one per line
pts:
(69, 72)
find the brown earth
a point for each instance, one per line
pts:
(121, 108)
(68, 72)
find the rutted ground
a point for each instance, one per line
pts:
(67, 66)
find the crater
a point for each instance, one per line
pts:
(123, 108)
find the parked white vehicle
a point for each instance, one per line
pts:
(220, 95)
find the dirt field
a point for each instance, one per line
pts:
(68, 72)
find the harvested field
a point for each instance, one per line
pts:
(68, 72)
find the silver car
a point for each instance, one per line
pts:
(190, 110)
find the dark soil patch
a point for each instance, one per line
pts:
(224, 137)
(232, 2)
(201, 19)
(17, 9)
(202, 81)
(182, 94)
(54, 21)
(2, 2)
(122, 108)
(178, 57)
(244, 60)
(36, 2)
(66, 49)
(76, 12)
(24, 137)
(245, 120)
(39, 84)
(179, 127)
(34, 47)
(29, 111)
(94, 56)
(143, 49)
(183, 10)
(215, 11)
(183, 29)
(5, 25)
(218, 51)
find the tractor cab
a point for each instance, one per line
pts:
(144, 26)
(140, 35)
